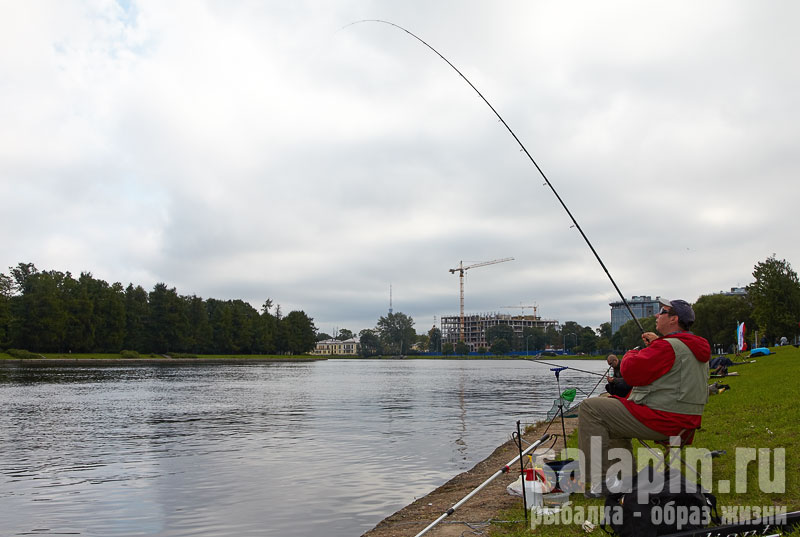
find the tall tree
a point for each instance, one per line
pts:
(776, 298)
(137, 315)
(533, 338)
(80, 336)
(344, 334)
(169, 325)
(300, 331)
(370, 343)
(434, 340)
(628, 336)
(6, 292)
(200, 338)
(717, 317)
(397, 332)
(39, 317)
(501, 331)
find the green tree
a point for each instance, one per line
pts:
(201, 335)
(482, 350)
(137, 315)
(775, 296)
(221, 320)
(397, 332)
(422, 344)
(322, 336)
(552, 336)
(266, 331)
(717, 316)
(587, 340)
(168, 324)
(500, 346)
(80, 329)
(6, 292)
(244, 320)
(39, 318)
(344, 334)
(462, 348)
(533, 338)
(370, 343)
(604, 330)
(500, 331)
(109, 315)
(448, 349)
(628, 336)
(434, 340)
(300, 330)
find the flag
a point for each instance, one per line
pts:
(740, 336)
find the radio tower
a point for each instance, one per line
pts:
(390, 299)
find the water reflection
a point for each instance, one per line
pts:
(250, 449)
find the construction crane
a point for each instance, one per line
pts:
(461, 269)
(522, 307)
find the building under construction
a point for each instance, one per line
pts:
(475, 327)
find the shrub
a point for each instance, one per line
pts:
(22, 354)
(129, 354)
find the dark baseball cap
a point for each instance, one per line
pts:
(681, 308)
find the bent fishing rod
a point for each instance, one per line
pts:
(530, 157)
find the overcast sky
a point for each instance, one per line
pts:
(260, 149)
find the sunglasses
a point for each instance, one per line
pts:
(664, 311)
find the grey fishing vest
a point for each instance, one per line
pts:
(683, 389)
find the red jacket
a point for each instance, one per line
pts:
(641, 367)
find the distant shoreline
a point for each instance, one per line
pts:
(49, 362)
(110, 360)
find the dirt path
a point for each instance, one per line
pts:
(484, 506)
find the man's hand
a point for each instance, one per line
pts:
(649, 337)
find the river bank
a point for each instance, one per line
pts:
(479, 510)
(756, 412)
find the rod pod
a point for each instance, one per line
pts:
(558, 370)
(505, 469)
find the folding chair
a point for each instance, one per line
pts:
(683, 438)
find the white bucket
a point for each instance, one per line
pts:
(534, 491)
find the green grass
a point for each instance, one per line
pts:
(761, 410)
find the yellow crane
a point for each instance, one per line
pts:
(535, 307)
(461, 269)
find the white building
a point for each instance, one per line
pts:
(334, 347)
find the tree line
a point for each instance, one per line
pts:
(51, 311)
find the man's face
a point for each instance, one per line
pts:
(666, 323)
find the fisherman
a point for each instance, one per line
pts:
(670, 389)
(616, 384)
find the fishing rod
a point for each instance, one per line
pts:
(546, 180)
(536, 361)
(504, 470)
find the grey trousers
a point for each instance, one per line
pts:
(607, 419)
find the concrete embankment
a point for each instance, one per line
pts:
(480, 509)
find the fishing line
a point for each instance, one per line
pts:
(546, 180)
(537, 361)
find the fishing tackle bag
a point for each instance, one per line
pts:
(655, 503)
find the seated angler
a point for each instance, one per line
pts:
(670, 389)
(616, 384)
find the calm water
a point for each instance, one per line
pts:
(290, 449)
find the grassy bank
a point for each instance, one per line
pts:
(760, 411)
